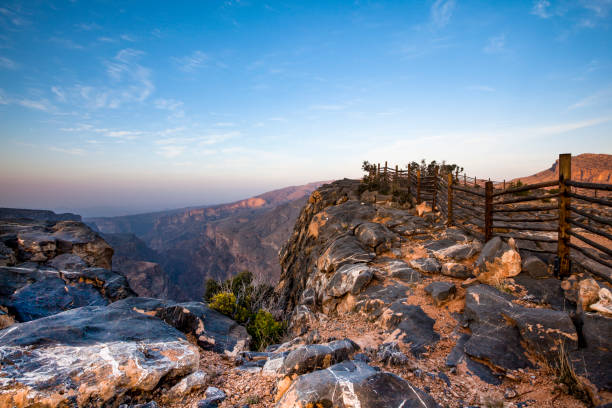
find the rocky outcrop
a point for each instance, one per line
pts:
(353, 384)
(90, 356)
(498, 260)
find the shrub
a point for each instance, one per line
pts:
(265, 329)
(224, 302)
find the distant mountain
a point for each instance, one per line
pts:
(192, 244)
(594, 168)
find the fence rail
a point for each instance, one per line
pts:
(576, 228)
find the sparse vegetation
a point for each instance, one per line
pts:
(564, 373)
(248, 304)
(518, 184)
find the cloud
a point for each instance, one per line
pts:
(7, 63)
(131, 82)
(329, 107)
(224, 124)
(73, 150)
(569, 126)
(41, 104)
(171, 151)
(173, 106)
(123, 134)
(66, 43)
(128, 37)
(541, 8)
(441, 12)
(87, 26)
(12, 19)
(192, 62)
(496, 45)
(596, 98)
(59, 94)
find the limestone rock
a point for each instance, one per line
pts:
(535, 267)
(604, 304)
(410, 324)
(588, 293)
(456, 270)
(89, 356)
(399, 269)
(422, 209)
(214, 396)
(428, 265)
(441, 291)
(7, 256)
(350, 278)
(344, 250)
(317, 356)
(375, 236)
(192, 382)
(458, 252)
(498, 260)
(353, 384)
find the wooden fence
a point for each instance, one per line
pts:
(562, 217)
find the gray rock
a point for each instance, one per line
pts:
(428, 265)
(457, 252)
(317, 356)
(456, 270)
(349, 278)
(535, 267)
(415, 327)
(399, 269)
(67, 262)
(113, 351)
(214, 396)
(390, 354)
(441, 291)
(497, 261)
(354, 384)
(7, 256)
(190, 383)
(375, 236)
(344, 250)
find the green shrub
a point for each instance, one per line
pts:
(224, 302)
(265, 329)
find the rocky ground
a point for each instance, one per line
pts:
(385, 308)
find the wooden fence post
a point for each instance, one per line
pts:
(378, 175)
(385, 173)
(395, 178)
(418, 186)
(563, 239)
(449, 204)
(435, 189)
(488, 210)
(465, 179)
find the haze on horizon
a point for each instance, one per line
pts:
(125, 107)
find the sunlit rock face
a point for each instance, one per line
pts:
(89, 356)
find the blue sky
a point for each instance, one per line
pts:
(109, 107)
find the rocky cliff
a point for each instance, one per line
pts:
(470, 322)
(593, 168)
(194, 244)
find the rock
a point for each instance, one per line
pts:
(535, 267)
(273, 366)
(90, 356)
(422, 209)
(428, 265)
(344, 250)
(497, 261)
(214, 396)
(457, 356)
(375, 236)
(410, 324)
(545, 291)
(212, 330)
(588, 293)
(67, 262)
(390, 355)
(604, 305)
(36, 245)
(317, 356)
(150, 404)
(441, 291)
(353, 384)
(398, 269)
(493, 338)
(510, 393)
(7, 256)
(188, 384)
(458, 252)
(50, 296)
(350, 278)
(456, 270)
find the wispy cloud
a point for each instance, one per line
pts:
(73, 150)
(329, 107)
(87, 26)
(596, 98)
(171, 105)
(60, 95)
(496, 45)
(7, 63)
(191, 62)
(66, 43)
(12, 18)
(541, 8)
(40, 104)
(441, 12)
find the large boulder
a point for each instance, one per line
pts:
(350, 278)
(497, 261)
(211, 329)
(441, 291)
(375, 236)
(353, 384)
(344, 250)
(410, 324)
(427, 265)
(90, 356)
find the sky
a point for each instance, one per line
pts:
(110, 107)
